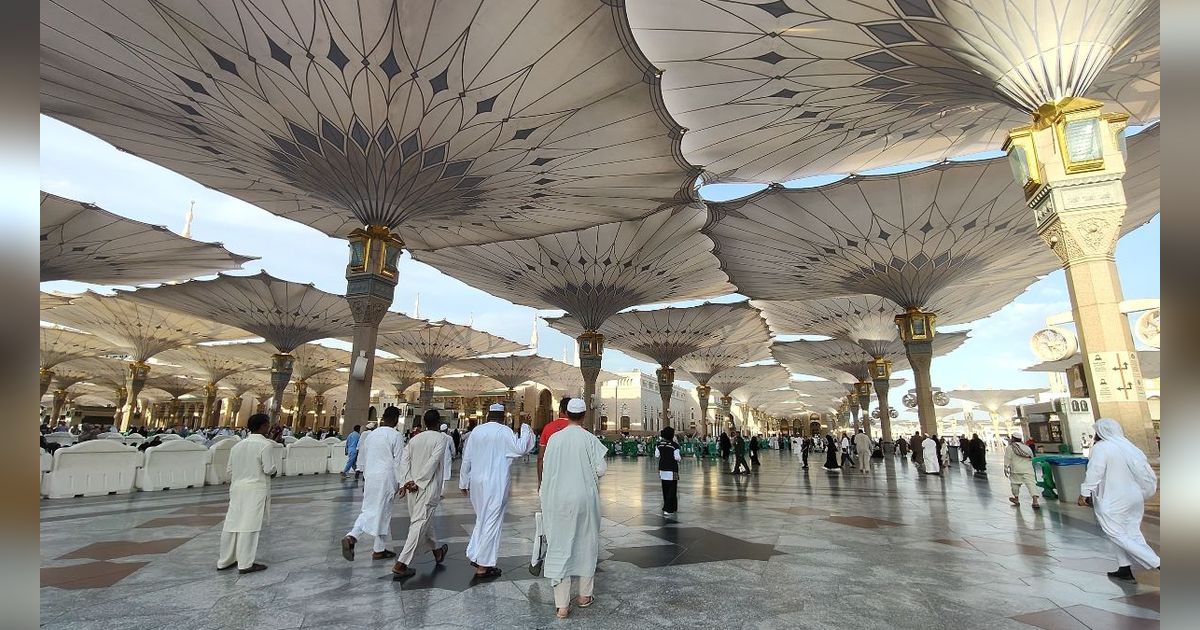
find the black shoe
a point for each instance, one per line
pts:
(348, 543)
(1124, 574)
(254, 568)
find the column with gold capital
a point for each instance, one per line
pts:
(591, 356)
(210, 403)
(135, 380)
(917, 330)
(371, 278)
(666, 385)
(301, 412)
(881, 374)
(1070, 162)
(702, 394)
(862, 391)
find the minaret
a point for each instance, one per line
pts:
(533, 336)
(417, 307)
(187, 222)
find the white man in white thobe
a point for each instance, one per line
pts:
(251, 466)
(929, 454)
(1119, 480)
(483, 476)
(423, 473)
(575, 460)
(862, 446)
(381, 481)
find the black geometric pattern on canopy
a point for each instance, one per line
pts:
(398, 373)
(777, 91)
(566, 379)
(440, 343)
(141, 331)
(511, 371)
(59, 345)
(286, 314)
(595, 273)
(906, 236)
(452, 122)
(471, 386)
(849, 357)
(869, 320)
(702, 365)
(84, 243)
(257, 382)
(664, 335)
(212, 363)
(742, 382)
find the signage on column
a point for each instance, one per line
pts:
(1117, 376)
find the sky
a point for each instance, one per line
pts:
(79, 166)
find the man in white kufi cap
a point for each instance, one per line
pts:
(484, 477)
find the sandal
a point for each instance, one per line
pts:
(1037, 506)
(1014, 501)
(563, 613)
(590, 601)
(439, 554)
(488, 574)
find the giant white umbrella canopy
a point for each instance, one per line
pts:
(910, 237)
(440, 344)
(398, 373)
(59, 345)
(701, 365)
(418, 124)
(510, 371)
(176, 386)
(1149, 363)
(449, 122)
(139, 330)
(595, 273)
(746, 380)
(212, 363)
(775, 91)
(567, 380)
(993, 400)
(85, 243)
(308, 360)
(257, 382)
(470, 387)
(664, 335)
(285, 314)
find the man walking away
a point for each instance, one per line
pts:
(351, 450)
(484, 477)
(862, 446)
(668, 470)
(1018, 467)
(739, 452)
(251, 466)
(754, 446)
(1118, 482)
(725, 445)
(423, 471)
(571, 510)
(847, 458)
(381, 455)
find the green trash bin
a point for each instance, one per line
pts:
(1041, 468)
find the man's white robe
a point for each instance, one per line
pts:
(427, 464)
(381, 460)
(362, 444)
(929, 450)
(251, 465)
(1119, 480)
(484, 471)
(571, 502)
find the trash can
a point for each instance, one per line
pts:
(1068, 476)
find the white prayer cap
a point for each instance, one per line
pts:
(576, 405)
(444, 427)
(496, 407)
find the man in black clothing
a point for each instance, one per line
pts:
(754, 450)
(806, 445)
(668, 470)
(724, 444)
(739, 451)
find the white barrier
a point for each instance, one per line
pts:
(92, 468)
(175, 464)
(62, 438)
(306, 456)
(337, 454)
(217, 462)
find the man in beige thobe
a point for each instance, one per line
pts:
(424, 470)
(575, 460)
(862, 447)
(251, 466)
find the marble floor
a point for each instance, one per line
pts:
(782, 548)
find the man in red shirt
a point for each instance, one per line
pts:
(551, 428)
